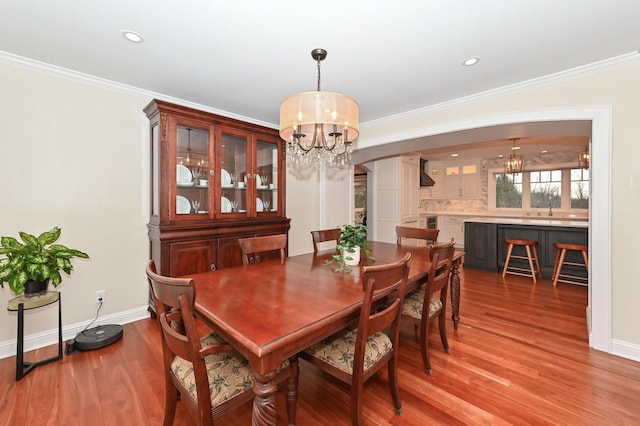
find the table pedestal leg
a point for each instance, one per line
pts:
(455, 293)
(264, 401)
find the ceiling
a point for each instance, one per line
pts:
(241, 58)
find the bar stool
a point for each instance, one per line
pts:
(561, 251)
(531, 248)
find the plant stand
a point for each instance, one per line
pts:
(22, 303)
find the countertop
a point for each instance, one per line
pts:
(560, 216)
(535, 222)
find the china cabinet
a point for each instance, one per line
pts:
(213, 180)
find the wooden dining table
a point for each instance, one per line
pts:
(272, 310)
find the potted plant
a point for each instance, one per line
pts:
(352, 241)
(29, 266)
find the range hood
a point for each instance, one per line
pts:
(425, 179)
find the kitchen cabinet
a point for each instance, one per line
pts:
(462, 179)
(395, 195)
(451, 227)
(435, 169)
(410, 184)
(213, 180)
(485, 248)
(480, 246)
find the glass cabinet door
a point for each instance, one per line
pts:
(266, 177)
(192, 170)
(234, 178)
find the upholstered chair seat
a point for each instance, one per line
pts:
(413, 304)
(339, 350)
(228, 373)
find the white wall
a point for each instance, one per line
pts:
(75, 156)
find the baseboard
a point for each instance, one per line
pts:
(625, 350)
(50, 337)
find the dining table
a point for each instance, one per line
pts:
(274, 309)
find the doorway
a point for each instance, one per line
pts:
(537, 123)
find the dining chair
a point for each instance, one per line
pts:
(324, 235)
(426, 304)
(204, 372)
(354, 354)
(271, 246)
(427, 234)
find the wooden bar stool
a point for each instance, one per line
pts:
(561, 251)
(531, 248)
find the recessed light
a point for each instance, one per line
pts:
(470, 61)
(544, 151)
(455, 155)
(515, 148)
(500, 155)
(133, 36)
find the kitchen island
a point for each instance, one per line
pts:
(485, 247)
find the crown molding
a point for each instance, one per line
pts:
(60, 72)
(581, 71)
(584, 70)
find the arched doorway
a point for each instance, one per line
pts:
(525, 124)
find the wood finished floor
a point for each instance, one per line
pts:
(520, 356)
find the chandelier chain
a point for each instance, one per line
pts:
(319, 73)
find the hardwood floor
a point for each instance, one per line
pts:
(520, 356)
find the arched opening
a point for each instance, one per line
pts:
(594, 122)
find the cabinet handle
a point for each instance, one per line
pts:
(213, 267)
(212, 172)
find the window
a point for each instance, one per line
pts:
(579, 189)
(509, 190)
(563, 187)
(546, 189)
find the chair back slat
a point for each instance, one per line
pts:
(253, 247)
(429, 235)
(324, 235)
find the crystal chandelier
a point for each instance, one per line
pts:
(319, 125)
(583, 158)
(515, 163)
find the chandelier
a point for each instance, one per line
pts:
(319, 125)
(515, 163)
(583, 158)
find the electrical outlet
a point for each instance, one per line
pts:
(101, 296)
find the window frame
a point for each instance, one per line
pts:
(565, 205)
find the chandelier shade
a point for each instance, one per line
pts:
(319, 125)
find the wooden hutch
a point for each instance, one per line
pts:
(213, 180)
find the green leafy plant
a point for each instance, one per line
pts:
(35, 259)
(351, 236)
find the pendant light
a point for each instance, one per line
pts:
(515, 163)
(584, 158)
(319, 125)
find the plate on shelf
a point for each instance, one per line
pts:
(226, 205)
(186, 184)
(183, 206)
(226, 179)
(259, 205)
(183, 175)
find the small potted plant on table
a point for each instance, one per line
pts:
(352, 241)
(29, 266)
